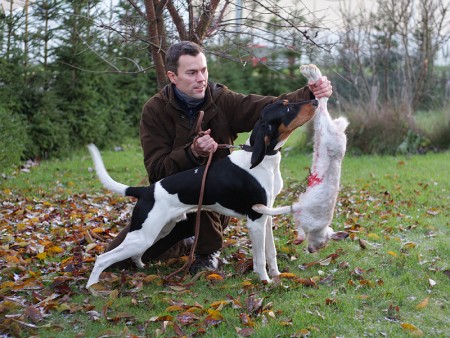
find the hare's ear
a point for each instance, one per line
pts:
(340, 235)
(259, 140)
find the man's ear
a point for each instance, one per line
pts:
(172, 76)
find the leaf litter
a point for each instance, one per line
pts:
(48, 248)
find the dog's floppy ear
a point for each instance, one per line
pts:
(259, 141)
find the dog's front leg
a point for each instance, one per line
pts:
(257, 232)
(271, 251)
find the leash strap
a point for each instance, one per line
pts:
(200, 132)
(190, 259)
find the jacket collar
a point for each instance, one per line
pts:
(169, 92)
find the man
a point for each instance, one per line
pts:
(170, 143)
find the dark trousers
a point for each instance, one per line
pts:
(210, 238)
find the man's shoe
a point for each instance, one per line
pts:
(205, 262)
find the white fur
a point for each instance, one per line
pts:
(102, 174)
(314, 210)
(168, 210)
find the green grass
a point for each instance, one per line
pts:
(390, 278)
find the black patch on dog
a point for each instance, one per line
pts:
(145, 203)
(226, 184)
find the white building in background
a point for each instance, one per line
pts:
(8, 5)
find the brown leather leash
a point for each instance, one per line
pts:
(190, 259)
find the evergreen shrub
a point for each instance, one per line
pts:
(13, 139)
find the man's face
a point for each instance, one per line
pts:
(192, 76)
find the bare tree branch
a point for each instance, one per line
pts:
(177, 20)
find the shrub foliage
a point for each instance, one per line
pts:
(66, 80)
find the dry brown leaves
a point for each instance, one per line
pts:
(46, 249)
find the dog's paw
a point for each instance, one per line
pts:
(311, 72)
(138, 261)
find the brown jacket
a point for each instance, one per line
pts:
(166, 133)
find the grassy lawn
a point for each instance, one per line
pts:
(391, 277)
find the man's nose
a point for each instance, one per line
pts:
(200, 77)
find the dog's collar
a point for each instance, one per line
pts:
(248, 148)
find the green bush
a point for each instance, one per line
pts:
(435, 124)
(413, 143)
(49, 133)
(13, 139)
(378, 131)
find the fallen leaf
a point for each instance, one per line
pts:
(286, 322)
(412, 329)
(326, 261)
(287, 275)
(305, 281)
(214, 318)
(187, 318)
(214, 277)
(303, 333)
(373, 236)
(178, 288)
(246, 320)
(161, 319)
(433, 211)
(245, 332)
(423, 304)
(362, 243)
(409, 245)
(218, 305)
(151, 278)
(34, 314)
(330, 301)
(126, 317)
(174, 308)
(254, 304)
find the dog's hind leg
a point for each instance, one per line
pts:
(257, 232)
(134, 245)
(271, 251)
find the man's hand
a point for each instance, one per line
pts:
(203, 145)
(321, 88)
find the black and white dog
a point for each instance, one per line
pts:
(234, 184)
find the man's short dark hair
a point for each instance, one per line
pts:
(176, 50)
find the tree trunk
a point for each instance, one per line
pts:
(156, 35)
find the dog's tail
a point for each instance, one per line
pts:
(103, 175)
(262, 209)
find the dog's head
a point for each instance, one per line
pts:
(278, 120)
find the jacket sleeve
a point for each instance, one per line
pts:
(244, 110)
(157, 138)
